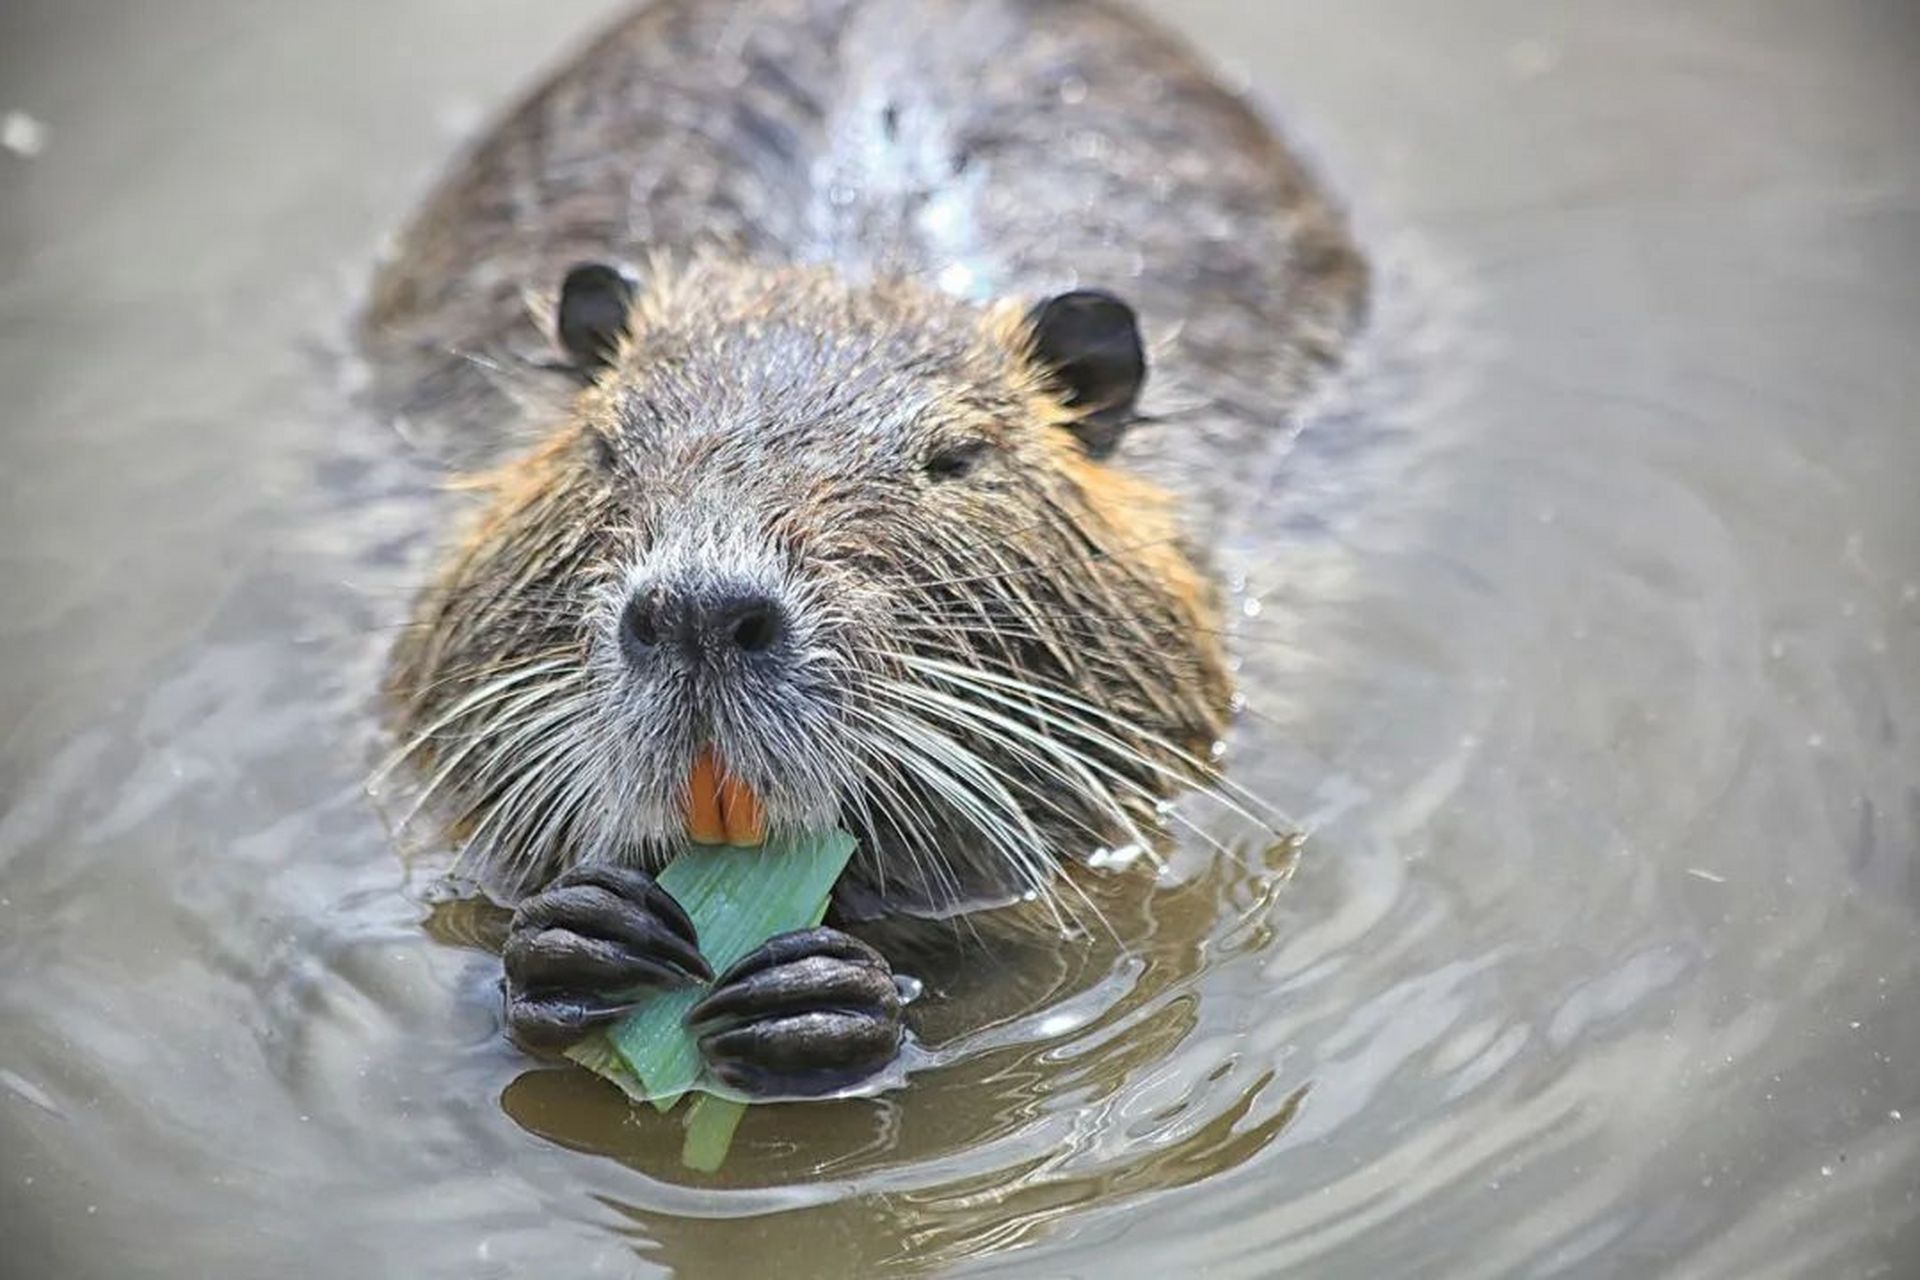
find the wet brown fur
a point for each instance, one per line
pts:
(783, 411)
(1055, 569)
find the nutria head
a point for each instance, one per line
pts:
(857, 540)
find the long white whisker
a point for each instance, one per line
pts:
(1208, 779)
(467, 705)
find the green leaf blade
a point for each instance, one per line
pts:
(737, 899)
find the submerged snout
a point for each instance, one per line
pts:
(710, 623)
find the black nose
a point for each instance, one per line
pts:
(713, 622)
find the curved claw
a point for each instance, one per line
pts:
(804, 1055)
(559, 959)
(619, 906)
(549, 1024)
(810, 984)
(808, 1013)
(581, 953)
(787, 947)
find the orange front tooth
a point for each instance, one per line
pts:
(705, 825)
(746, 820)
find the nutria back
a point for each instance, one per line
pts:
(996, 148)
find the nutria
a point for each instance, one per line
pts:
(853, 501)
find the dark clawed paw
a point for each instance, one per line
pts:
(587, 948)
(808, 1013)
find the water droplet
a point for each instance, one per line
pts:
(957, 278)
(1236, 702)
(1073, 90)
(1124, 856)
(1251, 606)
(1217, 751)
(23, 135)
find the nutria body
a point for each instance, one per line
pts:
(842, 471)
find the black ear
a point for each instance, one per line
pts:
(1090, 342)
(594, 302)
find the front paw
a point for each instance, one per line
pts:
(810, 1012)
(587, 948)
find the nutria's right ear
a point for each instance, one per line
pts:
(1089, 341)
(595, 300)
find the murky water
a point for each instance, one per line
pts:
(1590, 658)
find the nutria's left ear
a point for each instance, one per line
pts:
(1089, 341)
(595, 300)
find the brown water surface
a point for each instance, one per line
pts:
(1582, 634)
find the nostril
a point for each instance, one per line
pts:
(756, 626)
(660, 623)
(640, 623)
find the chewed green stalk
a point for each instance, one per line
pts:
(737, 899)
(711, 1121)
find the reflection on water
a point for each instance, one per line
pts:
(1580, 635)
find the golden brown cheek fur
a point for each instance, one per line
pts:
(1144, 529)
(1138, 527)
(478, 574)
(1079, 570)
(504, 598)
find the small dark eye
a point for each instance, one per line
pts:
(957, 461)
